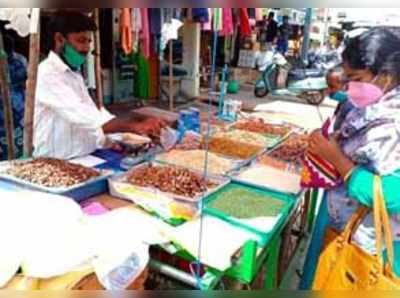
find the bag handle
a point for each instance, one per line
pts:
(382, 223)
(354, 223)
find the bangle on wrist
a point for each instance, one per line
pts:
(349, 173)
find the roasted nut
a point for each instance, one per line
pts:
(259, 126)
(170, 179)
(52, 172)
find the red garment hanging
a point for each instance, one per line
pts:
(126, 30)
(145, 32)
(245, 28)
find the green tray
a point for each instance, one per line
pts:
(264, 236)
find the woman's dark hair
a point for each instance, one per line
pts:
(70, 21)
(377, 50)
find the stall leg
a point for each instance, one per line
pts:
(271, 280)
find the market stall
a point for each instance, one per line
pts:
(250, 195)
(210, 202)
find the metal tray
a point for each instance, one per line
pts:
(78, 191)
(234, 176)
(154, 192)
(236, 164)
(242, 162)
(291, 166)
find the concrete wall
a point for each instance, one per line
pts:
(191, 58)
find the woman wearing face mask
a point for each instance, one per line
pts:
(366, 143)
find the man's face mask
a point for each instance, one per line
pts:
(73, 57)
(339, 96)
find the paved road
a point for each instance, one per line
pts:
(285, 107)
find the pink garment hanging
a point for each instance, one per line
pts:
(245, 28)
(259, 14)
(207, 26)
(227, 22)
(145, 32)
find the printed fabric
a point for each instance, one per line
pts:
(370, 137)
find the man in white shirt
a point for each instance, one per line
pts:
(68, 124)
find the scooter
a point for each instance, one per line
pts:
(311, 87)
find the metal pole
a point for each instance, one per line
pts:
(174, 273)
(306, 37)
(34, 53)
(6, 97)
(171, 76)
(97, 61)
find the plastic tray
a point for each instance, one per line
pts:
(77, 192)
(263, 235)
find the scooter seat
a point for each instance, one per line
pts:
(301, 74)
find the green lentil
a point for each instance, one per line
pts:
(244, 203)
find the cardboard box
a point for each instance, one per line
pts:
(247, 58)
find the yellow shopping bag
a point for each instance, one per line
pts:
(345, 266)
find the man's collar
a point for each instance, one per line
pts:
(58, 62)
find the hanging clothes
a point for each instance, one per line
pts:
(259, 14)
(136, 27)
(217, 19)
(227, 22)
(145, 32)
(167, 14)
(155, 20)
(177, 14)
(142, 83)
(200, 15)
(251, 13)
(125, 24)
(169, 31)
(245, 28)
(208, 25)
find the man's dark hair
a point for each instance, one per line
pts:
(285, 18)
(69, 21)
(337, 71)
(271, 15)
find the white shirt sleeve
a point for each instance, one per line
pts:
(63, 100)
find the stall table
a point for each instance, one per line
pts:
(249, 262)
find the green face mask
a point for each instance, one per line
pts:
(73, 57)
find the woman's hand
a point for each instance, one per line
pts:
(329, 150)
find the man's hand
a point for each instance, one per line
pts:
(150, 127)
